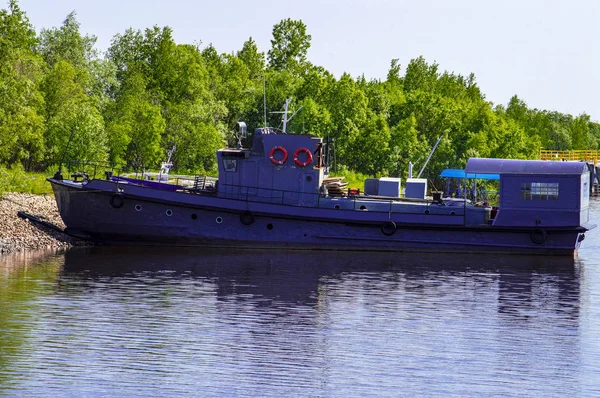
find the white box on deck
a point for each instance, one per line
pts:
(389, 186)
(415, 188)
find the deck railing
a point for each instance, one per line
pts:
(311, 199)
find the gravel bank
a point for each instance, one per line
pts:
(17, 234)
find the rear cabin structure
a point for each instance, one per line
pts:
(539, 194)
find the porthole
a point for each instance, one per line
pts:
(247, 218)
(116, 201)
(169, 212)
(426, 212)
(337, 207)
(219, 220)
(309, 178)
(138, 207)
(363, 207)
(269, 226)
(194, 216)
(452, 213)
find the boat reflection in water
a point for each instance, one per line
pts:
(309, 277)
(115, 321)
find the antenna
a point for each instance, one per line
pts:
(285, 110)
(165, 167)
(286, 119)
(265, 99)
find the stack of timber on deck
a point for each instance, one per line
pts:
(335, 185)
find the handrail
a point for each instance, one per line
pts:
(286, 197)
(592, 155)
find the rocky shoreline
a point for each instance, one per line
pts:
(18, 234)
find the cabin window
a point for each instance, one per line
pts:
(539, 191)
(230, 165)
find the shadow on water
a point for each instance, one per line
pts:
(120, 261)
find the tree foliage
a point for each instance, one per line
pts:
(60, 99)
(289, 46)
(21, 101)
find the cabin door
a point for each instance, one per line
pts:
(308, 195)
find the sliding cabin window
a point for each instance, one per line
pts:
(539, 191)
(230, 165)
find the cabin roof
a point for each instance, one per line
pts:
(236, 153)
(457, 173)
(513, 166)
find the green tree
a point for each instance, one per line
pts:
(67, 44)
(370, 152)
(17, 32)
(252, 58)
(21, 102)
(420, 75)
(394, 85)
(580, 133)
(559, 138)
(135, 126)
(75, 128)
(183, 85)
(406, 147)
(289, 46)
(348, 106)
(128, 50)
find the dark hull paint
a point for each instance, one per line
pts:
(198, 222)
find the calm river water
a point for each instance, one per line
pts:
(141, 322)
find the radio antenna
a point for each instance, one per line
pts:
(265, 99)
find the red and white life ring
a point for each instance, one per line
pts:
(309, 157)
(272, 155)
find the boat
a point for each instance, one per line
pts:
(277, 194)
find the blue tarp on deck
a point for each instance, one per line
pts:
(457, 173)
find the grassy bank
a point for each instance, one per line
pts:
(354, 179)
(16, 179)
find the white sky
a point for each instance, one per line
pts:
(545, 51)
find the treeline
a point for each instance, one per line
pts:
(60, 99)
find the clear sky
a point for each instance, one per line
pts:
(545, 51)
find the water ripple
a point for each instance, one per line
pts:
(131, 322)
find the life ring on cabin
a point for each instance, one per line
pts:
(272, 155)
(309, 157)
(247, 218)
(116, 201)
(538, 236)
(388, 228)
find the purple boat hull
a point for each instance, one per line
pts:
(103, 212)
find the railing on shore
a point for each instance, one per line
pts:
(591, 156)
(583, 155)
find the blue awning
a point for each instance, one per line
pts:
(457, 173)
